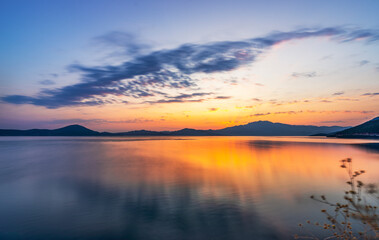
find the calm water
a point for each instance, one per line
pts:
(170, 188)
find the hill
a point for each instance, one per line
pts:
(368, 129)
(259, 128)
(71, 130)
(266, 128)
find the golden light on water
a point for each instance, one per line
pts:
(254, 163)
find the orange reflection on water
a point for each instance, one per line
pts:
(271, 176)
(254, 165)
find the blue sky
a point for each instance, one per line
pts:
(42, 40)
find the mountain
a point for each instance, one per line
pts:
(266, 128)
(135, 133)
(193, 132)
(260, 128)
(74, 130)
(71, 130)
(365, 130)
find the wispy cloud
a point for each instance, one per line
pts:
(309, 111)
(371, 94)
(260, 114)
(185, 96)
(326, 57)
(213, 109)
(280, 103)
(347, 99)
(126, 44)
(275, 113)
(341, 111)
(223, 97)
(95, 121)
(181, 98)
(146, 75)
(46, 82)
(338, 93)
(174, 101)
(363, 62)
(304, 74)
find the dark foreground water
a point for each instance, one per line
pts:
(170, 188)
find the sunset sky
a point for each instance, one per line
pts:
(166, 65)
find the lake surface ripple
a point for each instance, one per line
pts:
(170, 187)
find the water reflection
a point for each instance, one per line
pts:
(169, 188)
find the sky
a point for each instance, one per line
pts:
(165, 65)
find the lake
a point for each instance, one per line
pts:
(171, 187)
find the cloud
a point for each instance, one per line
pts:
(326, 57)
(213, 109)
(371, 94)
(309, 111)
(147, 74)
(174, 101)
(288, 112)
(223, 97)
(275, 113)
(260, 114)
(128, 42)
(340, 111)
(277, 103)
(304, 74)
(12, 123)
(338, 93)
(185, 96)
(347, 99)
(95, 121)
(46, 82)
(363, 62)
(181, 98)
(257, 99)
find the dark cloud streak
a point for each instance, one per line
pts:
(175, 101)
(371, 94)
(338, 93)
(223, 97)
(144, 75)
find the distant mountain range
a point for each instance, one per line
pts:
(72, 130)
(369, 129)
(259, 128)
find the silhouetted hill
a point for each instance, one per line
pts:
(266, 128)
(182, 132)
(368, 129)
(138, 133)
(72, 130)
(193, 132)
(260, 128)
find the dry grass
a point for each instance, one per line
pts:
(354, 218)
